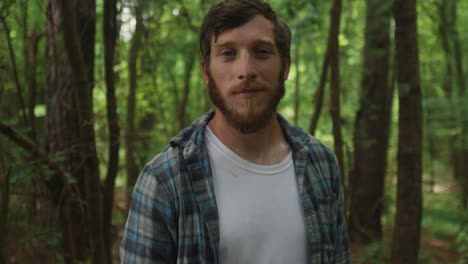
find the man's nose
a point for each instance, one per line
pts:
(246, 67)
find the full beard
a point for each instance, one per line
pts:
(254, 115)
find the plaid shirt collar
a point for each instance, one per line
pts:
(192, 137)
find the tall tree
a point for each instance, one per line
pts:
(4, 208)
(70, 131)
(62, 135)
(334, 57)
(19, 89)
(82, 72)
(130, 150)
(372, 126)
(454, 88)
(319, 94)
(182, 105)
(461, 166)
(297, 82)
(110, 33)
(406, 233)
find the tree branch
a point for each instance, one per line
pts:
(29, 145)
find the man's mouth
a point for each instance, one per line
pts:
(247, 91)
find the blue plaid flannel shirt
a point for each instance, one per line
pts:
(173, 216)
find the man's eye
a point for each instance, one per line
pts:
(263, 51)
(227, 53)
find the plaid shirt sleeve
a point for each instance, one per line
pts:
(342, 254)
(148, 237)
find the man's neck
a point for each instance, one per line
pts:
(268, 146)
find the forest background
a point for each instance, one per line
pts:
(91, 90)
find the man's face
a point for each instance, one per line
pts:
(244, 76)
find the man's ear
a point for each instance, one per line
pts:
(205, 69)
(286, 69)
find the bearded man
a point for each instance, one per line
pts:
(240, 184)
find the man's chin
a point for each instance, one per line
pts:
(248, 122)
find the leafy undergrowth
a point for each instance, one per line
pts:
(432, 251)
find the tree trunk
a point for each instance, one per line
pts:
(70, 131)
(461, 166)
(19, 89)
(62, 136)
(182, 106)
(318, 98)
(4, 206)
(297, 83)
(406, 233)
(333, 45)
(110, 35)
(81, 73)
(372, 126)
(130, 160)
(31, 68)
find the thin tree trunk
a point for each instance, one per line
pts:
(159, 106)
(31, 67)
(372, 126)
(110, 36)
(130, 161)
(182, 106)
(333, 44)
(461, 166)
(297, 83)
(83, 95)
(446, 29)
(318, 98)
(4, 210)
(19, 89)
(407, 228)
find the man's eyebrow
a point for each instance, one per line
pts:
(223, 44)
(233, 43)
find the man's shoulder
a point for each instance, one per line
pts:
(168, 165)
(317, 146)
(164, 165)
(298, 137)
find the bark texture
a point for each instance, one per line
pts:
(372, 126)
(4, 209)
(69, 124)
(130, 150)
(319, 94)
(110, 32)
(334, 48)
(406, 233)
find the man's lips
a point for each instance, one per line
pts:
(247, 91)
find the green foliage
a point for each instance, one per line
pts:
(375, 253)
(462, 236)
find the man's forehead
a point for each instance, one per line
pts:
(258, 29)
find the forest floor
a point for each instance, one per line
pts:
(433, 251)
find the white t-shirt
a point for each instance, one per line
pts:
(260, 213)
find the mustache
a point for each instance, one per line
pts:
(248, 86)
